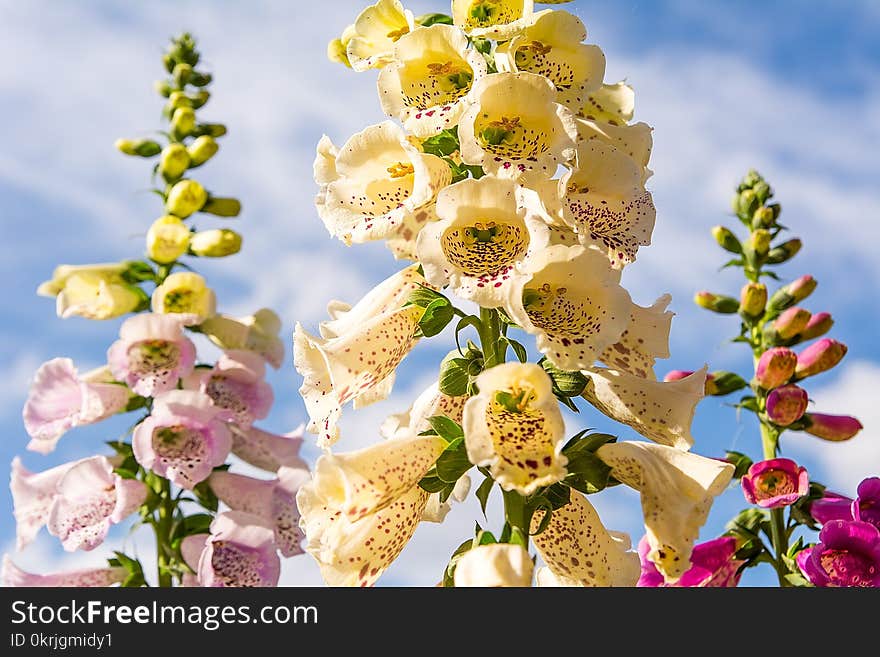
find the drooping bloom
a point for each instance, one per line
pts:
(492, 19)
(257, 333)
(677, 490)
(185, 294)
(60, 399)
(775, 482)
(514, 427)
(236, 383)
(579, 551)
(494, 565)
(266, 450)
(713, 565)
(819, 357)
(152, 354)
(362, 507)
(848, 554)
(13, 576)
(240, 552)
(374, 182)
(573, 302)
(431, 73)
(184, 438)
(89, 498)
(514, 128)
(775, 367)
(32, 497)
(866, 506)
(661, 411)
(645, 339)
(487, 230)
(835, 428)
(376, 30)
(91, 291)
(357, 353)
(787, 404)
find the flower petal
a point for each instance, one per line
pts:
(266, 450)
(644, 340)
(32, 497)
(13, 576)
(239, 553)
(494, 565)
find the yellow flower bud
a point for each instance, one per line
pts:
(174, 161)
(760, 241)
(186, 293)
(167, 239)
(753, 298)
(140, 147)
(200, 98)
(202, 150)
(215, 243)
(179, 99)
(222, 206)
(182, 73)
(162, 88)
(183, 121)
(187, 196)
(92, 291)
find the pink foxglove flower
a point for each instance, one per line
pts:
(61, 399)
(184, 438)
(152, 354)
(786, 404)
(89, 498)
(775, 367)
(713, 565)
(11, 575)
(775, 482)
(835, 428)
(848, 555)
(191, 549)
(32, 497)
(239, 552)
(268, 451)
(819, 357)
(866, 506)
(236, 383)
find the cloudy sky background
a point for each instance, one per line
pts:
(791, 88)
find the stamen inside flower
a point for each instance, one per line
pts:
(484, 247)
(846, 568)
(515, 400)
(437, 78)
(394, 35)
(234, 566)
(152, 356)
(551, 310)
(510, 137)
(519, 432)
(775, 482)
(401, 169)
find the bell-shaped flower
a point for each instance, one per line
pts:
(257, 333)
(60, 399)
(487, 230)
(89, 498)
(239, 552)
(362, 507)
(514, 128)
(432, 71)
(611, 104)
(357, 352)
(635, 141)
(266, 450)
(847, 555)
(775, 482)
(498, 20)
(660, 411)
(573, 302)
(579, 551)
(677, 490)
(152, 354)
(429, 403)
(835, 428)
(184, 438)
(644, 341)
(32, 496)
(92, 291)
(376, 30)
(374, 182)
(514, 427)
(236, 383)
(713, 565)
(13, 576)
(187, 295)
(495, 565)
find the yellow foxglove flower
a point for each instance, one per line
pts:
(376, 31)
(486, 231)
(337, 49)
(432, 72)
(514, 427)
(677, 490)
(551, 46)
(257, 332)
(186, 294)
(613, 104)
(369, 187)
(91, 291)
(636, 141)
(215, 243)
(494, 565)
(644, 340)
(186, 197)
(357, 351)
(110, 271)
(167, 239)
(573, 302)
(513, 127)
(658, 410)
(579, 551)
(492, 19)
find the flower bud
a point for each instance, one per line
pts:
(216, 243)
(775, 367)
(722, 383)
(759, 241)
(784, 252)
(222, 207)
(178, 99)
(677, 375)
(802, 287)
(819, 325)
(140, 147)
(212, 129)
(762, 191)
(185, 293)
(835, 428)
(786, 404)
(183, 121)
(791, 322)
(186, 196)
(763, 218)
(336, 52)
(202, 149)
(162, 88)
(716, 302)
(752, 299)
(182, 73)
(726, 239)
(819, 357)
(197, 79)
(174, 162)
(200, 98)
(167, 239)
(745, 204)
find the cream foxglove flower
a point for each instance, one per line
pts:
(661, 411)
(370, 186)
(13, 576)
(677, 490)
(579, 551)
(573, 302)
(487, 230)
(257, 333)
(357, 351)
(644, 340)
(185, 294)
(551, 46)
(429, 403)
(376, 30)
(91, 291)
(514, 427)
(362, 507)
(636, 141)
(432, 72)
(613, 104)
(514, 127)
(403, 243)
(494, 565)
(492, 19)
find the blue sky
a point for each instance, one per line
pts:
(791, 88)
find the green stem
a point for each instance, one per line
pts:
(490, 332)
(162, 528)
(769, 439)
(518, 516)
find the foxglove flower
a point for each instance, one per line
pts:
(866, 506)
(498, 20)
(494, 565)
(185, 295)
(713, 565)
(91, 291)
(236, 383)
(60, 399)
(257, 333)
(13, 576)
(831, 506)
(835, 428)
(787, 404)
(819, 357)
(429, 403)
(191, 549)
(775, 482)
(32, 497)
(240, 552)
(848, 555)
(376, 30)
(268, 451)
(644, 341)
(775, 367)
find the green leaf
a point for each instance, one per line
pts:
(206, 496)
(424, 296)
(447, 429)
(521, 354)
(135, 577)
(741, 463)
(463, 323)
(587, 473)
(426, 20)
(443, 144)
(198, 523)
(135, 402)
(585, 441)
(736, 262)
(437, 316)
(482, 493)
(747, 521)
(454, 377)
(453, 462)
(432, 483)
(796, 579)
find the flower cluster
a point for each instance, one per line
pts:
(193, 415)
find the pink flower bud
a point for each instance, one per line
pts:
(775, 367)
(676, 375)
(775, 483)
(835, 428)
(819, 325)
(801, 288)
(786, 404)
(791, 322)
(819, 357)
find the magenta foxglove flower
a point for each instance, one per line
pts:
(236, 384)
(239, 552)
(835, 428)
(272, 500)
(866, 506)
(791, 322)
(713, 565)
(152, 354)
(775, 367)
(268, 451)
(787, 404)
(61, 399)
(831, 506)
(819, 325)
(847, 555)
(775, 482)
(12, 575)
(819, 357)
(184, 438)
(88, 499)
(676, 375)
(32, 497)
